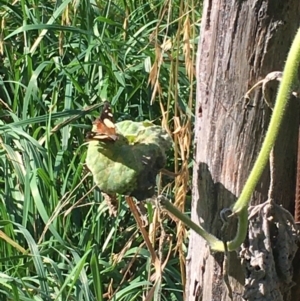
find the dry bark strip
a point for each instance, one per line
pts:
(240, 43)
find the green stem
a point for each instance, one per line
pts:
(289, 78)
(240, 208)
(215, 244)
(290, 73)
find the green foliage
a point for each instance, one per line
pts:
(58, 61)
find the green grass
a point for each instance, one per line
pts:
(58, 61)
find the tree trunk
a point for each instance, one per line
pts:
(241, 42)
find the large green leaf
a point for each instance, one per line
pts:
(129, 165)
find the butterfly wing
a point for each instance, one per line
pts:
(104, 127)
(107, 116)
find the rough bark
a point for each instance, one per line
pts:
(240, 43)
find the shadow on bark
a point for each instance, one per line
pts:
(263, 265)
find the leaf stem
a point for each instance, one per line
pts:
(240, 208)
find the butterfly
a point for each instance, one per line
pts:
(103, 127)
